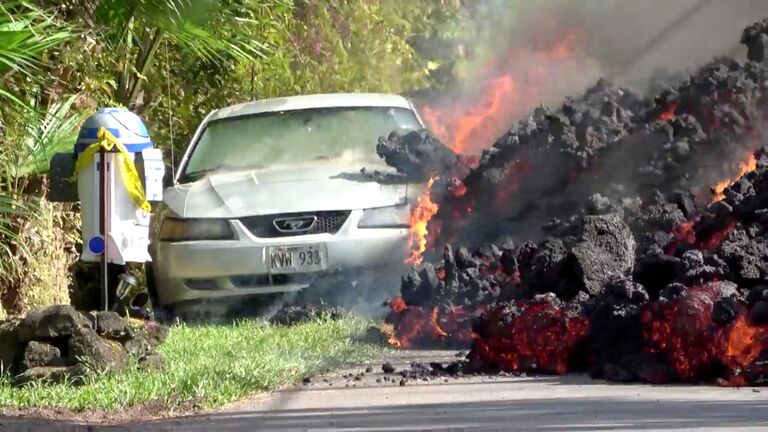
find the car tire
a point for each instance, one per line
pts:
(149, 275)
(163, 314)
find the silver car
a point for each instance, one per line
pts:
(270, 195)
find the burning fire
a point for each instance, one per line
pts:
(420, 216)
(526, 79)
(747, 166)
(498, 90)
(415, 326)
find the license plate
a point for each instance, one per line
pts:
(297, 259)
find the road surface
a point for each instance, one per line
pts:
(570, 403)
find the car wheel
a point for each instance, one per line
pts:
(149, 275)
(163, 314)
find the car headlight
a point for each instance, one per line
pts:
(385, 217)
(179, 230)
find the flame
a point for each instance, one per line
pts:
(498, 89)
(418, 326)
(389, 331)
(408, 326)
(669, 113)
(745, 167)
(433, 119)
(397, 304)
(421, 214)
(526, 78)
(439, 330)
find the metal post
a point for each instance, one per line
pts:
(103, 226)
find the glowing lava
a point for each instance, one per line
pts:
(421, 214)
(530, 336)
(747, 166)
(418, 326)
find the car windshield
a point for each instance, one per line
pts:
(290, 137)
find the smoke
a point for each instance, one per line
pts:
(516, 55)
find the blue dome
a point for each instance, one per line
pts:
(126, 126)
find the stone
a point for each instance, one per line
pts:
(9, 345)
(152, 361)
(52, 322)
(387, 368)
(52, 375)
(759, 313)
(156, 333)
(138, 346)
(606, 252)
(39, 354)
(101, 355)
(110, 324)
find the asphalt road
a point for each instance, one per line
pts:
(571, 403)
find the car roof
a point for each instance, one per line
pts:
(328, 100)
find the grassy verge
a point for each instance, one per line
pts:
(212, 365)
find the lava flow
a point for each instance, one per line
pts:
(586, 244)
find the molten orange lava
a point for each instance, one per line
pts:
(743, 342)
(541, 337)
(421, 214)
(747, 166)
(714, 240)
(683, 331)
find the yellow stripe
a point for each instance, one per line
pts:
(128, 172)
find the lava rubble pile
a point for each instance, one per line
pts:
(643, 270)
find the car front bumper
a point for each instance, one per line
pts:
(199, 270)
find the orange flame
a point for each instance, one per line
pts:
(438, 330)
(528, 77)
(669, 113)
(745, 167)
(421, 214)
(397, 304)
(388, 330)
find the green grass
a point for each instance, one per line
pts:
(211, 365)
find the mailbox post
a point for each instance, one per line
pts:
(118, 172)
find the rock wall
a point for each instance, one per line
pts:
(58, 343)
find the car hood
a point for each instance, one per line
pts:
(319, 186)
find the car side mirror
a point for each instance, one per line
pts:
(62, 186)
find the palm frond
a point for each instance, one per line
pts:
(26, 33)
(53, 131)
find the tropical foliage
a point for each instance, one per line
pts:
(172, 61)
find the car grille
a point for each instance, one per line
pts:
(329, 222)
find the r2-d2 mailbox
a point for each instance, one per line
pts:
(126, 223)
